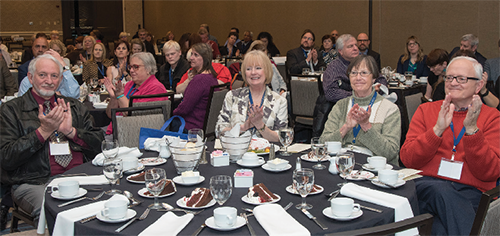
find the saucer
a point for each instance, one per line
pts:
(80, 193)
(134, 181)
(139, 167)
(261, 161)
(398, 184)
(268, 168)
(328, 213)
(143, 190)
(362, 176)
(130, 213)
(291, 190)
(178, 180)
(305, 157)
(246, 200)
(182, 204)
(367, 167)
(152, 161)
(240, 221)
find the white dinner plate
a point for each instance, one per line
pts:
(291, 190)
(143, 190)
(152, 161)
(328, 213)
(367, 167)
(362, 176)
(398, 184)
(139, 168)
(182, 204)
(246, 200)
(81, 192)
(268, 168)
(130, 213)
(240, 221)
(134, 181)
(178, 180)
(305, 157)
(241, 163)
(260, 153)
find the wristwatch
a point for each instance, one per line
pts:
(484, 94)
(263, 128)
(66, 68)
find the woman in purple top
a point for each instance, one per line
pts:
(194, 103)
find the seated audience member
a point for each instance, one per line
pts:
(267, 38)
(97, 35)
(28, 52)
(413, 60)
(5, 52)
(304, 56)
(335, 34)
(492, 67)
(170, 36)
(88, 45)
(278, 85)
(184, 43)
(363, 46)
(8, 84)
(365, 119)
(203, 76)
(210, 37)
(97, 66)
(230, 49)
(437, 61)
(151, 39)
(336, 84)
(39, 47)
(247, 41)
(118, 70)
(123, 36)
(455, 143)
(256, 106)
(175, 66)
(148, 47)
(237, 31)
(469, 42)
(30, 122)
(54, 34)
(137, 46)
(328, 52)
(74, 56)
(203, 33)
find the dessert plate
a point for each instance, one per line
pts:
(291, 190)
(245, 199)
(367, 167)
(363, 175)
(152, 161)
(268, 168)
(129, 179)
(178, 180)
(241, 163)
(81, 192)
(305, 157)
(240, 221)
(182, 204)
(130, 213)
(144, 190)
(328, 213)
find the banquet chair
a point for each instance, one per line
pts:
(487, 214)
(126, 129)
(166, 103)
(423, 222)
(214, 106)
(19, 214)
(303, 95)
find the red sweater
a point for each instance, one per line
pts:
(480, 152)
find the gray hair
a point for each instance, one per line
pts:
(171, 44)
(478, 68)
(339, 44)
(32, 65)
(148, 60)
(251, 33)
(473, 39)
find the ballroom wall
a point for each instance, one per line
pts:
(15, 16)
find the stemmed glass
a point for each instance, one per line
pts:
(303, 181)
(286, 138)
(319, 149)
(193, 135)
(345, 164)
(112, 170)
(110, 148)
(156, 179)
(221, 188)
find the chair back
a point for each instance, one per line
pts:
(423, 222)
(487, 214)
(303, 95)
(166, 103)
(231, 60)
(126, 129)
(412, 103)
(214, 106)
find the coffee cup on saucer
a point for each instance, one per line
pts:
(67, 188)
(388, 176)
(250, 158)
(377, 162)
(129, 162)
(115, 209)
(190, 176)
(225, 217)
(343, 207)
(333, 147)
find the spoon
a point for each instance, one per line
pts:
(131, 197)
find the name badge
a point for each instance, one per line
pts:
(60, 148)
(450, 169)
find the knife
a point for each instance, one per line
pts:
(85, 220)
(199, 230)
(314, 218)
(371, 209)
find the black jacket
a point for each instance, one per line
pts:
(181, 68)
(24, 159)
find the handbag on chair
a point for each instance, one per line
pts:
(146, 133)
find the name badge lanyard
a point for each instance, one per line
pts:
(118, 68)
(357, 128)
(131, 91)
(101, 70)
(456, 140)
(170, 77)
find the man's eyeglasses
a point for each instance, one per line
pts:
(307, 38)
(363, 40)
(135, 67)
(362, 73)
(460, 79)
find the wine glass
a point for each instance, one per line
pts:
(155, 180)
(319, 149)
(112, 169)
(193, 135)
(303, 182)
(221, 188)
(110, 148)
(286, 138)
(345, 165)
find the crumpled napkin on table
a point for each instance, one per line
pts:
(153, 144)
(168, 224)
(267, 214)
(122, 152)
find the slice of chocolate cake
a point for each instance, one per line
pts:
(169, 188)
(139, 177)
(199, 197)
(260, 194)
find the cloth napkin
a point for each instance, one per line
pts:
(100, 105)
(153, 144)
(401, 205)
(175, 225)
(298, 147)
(65, 221)
(82, 180)
(393, 97)
(276, 221)
(122, 152)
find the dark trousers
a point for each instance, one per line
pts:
(452, 204)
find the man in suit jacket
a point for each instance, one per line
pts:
(363, 43)
(143, 33)
(492, 67)
(470, 42)
(304, 56)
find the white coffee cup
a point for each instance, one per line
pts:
(67, 188)
(377, 162)
(250, 158)
(423, 79)
(115, 209)
(225, 217)
(333, 147)
(388, 176)
(343, 206)
(129, 162)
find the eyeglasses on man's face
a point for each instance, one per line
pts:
(460, 79)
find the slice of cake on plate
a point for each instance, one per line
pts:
(199, 197)
(138, 177)
(259, 193)
(169, 188)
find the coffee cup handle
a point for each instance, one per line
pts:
(54, 188)
(356, 207)
(368, 160)
(230, 220)
(105, 212)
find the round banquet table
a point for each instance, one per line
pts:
(275, 181)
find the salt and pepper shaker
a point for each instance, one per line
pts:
(272, 154)
(298, 164)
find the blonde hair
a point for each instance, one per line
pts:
(59, 44)
(257, 57)
(91, 38)
(92, 58)
(420, 53)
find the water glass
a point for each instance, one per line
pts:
(286, 138)
(221, 188)
(345, 164)
(195, 134)
(320, 150)
(112, 170)
(155, 180)
(303, 182)
(110, 148)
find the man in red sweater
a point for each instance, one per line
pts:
(455, 142)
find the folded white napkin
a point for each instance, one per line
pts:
(217, 144)
(100, 105)
(153, 144)
(175, 225)
(393, 97)
(401, 205)
(299, 147)
(122, 152)
(276, 221)
(82, 180)
(65, 221)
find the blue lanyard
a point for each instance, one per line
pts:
(305, 52)
(118, 68)
(356, 129)
(101, 69)
(456, 140)
(261, 101)
(170, 77)
(133, 90)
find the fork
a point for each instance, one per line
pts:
(142, 217)
(83, 198)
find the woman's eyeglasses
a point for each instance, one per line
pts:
(362, 73)
(135, 67)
